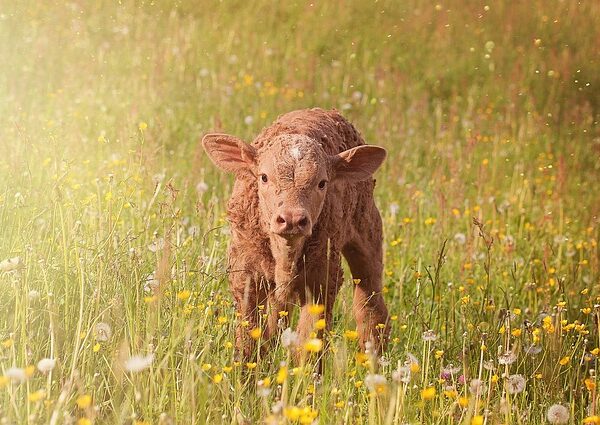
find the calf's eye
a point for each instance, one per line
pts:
(263, 178)
(322, 184)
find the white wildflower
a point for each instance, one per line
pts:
(376, 383)
(394, 209)
(460, 238)
(16, 374)
(201, 187)
(157, 245)
(138, 363)
(289, 338)
(515, 384)
(248, 120)
(46, 365)
(558, 414)
(507, 358)
(402, 374)
(429, 336)
(477, 387)
(10, 264)
(151, 284)
(532, 350)
(33, 295)
(102, 332)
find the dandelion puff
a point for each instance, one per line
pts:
(429, 336)
(33, 295)
(46, 365)
(402, 374)
(248, 120)
(557, 414)
(477, 387)
(507, 358)
(102, 332)
(157, 245)
(289, 338)
(533, 350)
(10, 264)
(460, 238)
(138, 363)
(515, 384)
(376, 383)
(201, 187)
(151, 284)
(16, 374)
(394, 209)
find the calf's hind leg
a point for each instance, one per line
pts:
(364, 254)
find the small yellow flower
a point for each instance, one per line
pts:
(316, 309)
(222, 320)
(320, 324)
(564, 360)
(358, 384)
(282, 374)
(7, 343)
(350, 334)
(590, 384)
(495, 378)
(3, 381)
(29, 371)
(463, 401)
(283, 314)
(477, 420)
(592, 420)
(516, 333)
(415, 368)
(96, 347)
(451, 393)
(256, 333)
(37, 396)
(428, 393)
(142, 126)
(217, 378)
(313, 345)
(184, 295)
(84, 401)
(251, 365)
(206, 367)
(150, 299)
(439, 354)
(84, 421)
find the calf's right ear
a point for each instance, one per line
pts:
(229, 153)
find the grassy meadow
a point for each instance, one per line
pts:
(114, 301)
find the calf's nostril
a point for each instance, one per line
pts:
(280, 220)
(303, 222)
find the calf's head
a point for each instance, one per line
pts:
(293, 175)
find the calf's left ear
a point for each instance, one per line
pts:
(358, 163)
(229, 153)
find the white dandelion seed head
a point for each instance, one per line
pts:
(375, 382)
(157, 245)
(201, 187)
(558, 414)
(533, 350)
(450, 369)
(402, 374)
(394, 209)
(289, 338)
(16, 374)
(102, 332)
(460, 238)
(138, 363)
(383, 361)
(429, 336)
(507, 358)
(33, 295)
(515, 384)
(46, 365)
(477, 387)
(248, 120)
